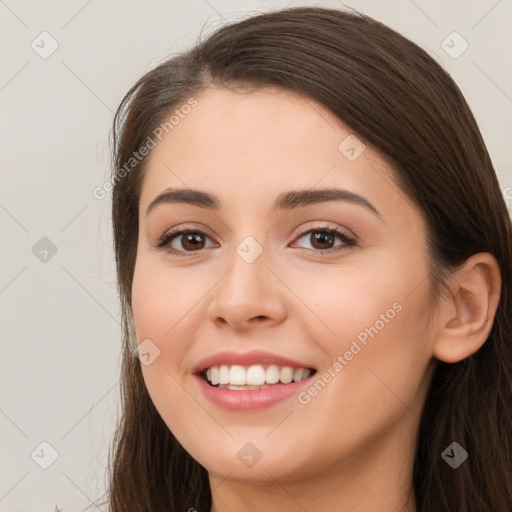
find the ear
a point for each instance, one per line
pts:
(466, 315)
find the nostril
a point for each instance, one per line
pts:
(260, 318)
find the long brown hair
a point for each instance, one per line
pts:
(396, 97)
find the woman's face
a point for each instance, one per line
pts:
(260, 289)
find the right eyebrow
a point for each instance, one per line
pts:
(185, 195)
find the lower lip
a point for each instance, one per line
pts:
(250, 399)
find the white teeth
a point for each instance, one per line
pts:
(238, 377)
(223, 374)
(272, 374)
(214, 375)
(256, 375)
(297, 375)
(242, 388)
(286, 375)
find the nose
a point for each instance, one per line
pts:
(249, 294)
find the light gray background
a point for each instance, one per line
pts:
(60, 332)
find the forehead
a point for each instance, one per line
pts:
(252, 145)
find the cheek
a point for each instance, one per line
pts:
(162, 307)
(374, 372)
(344, 302)
(163, 300)
(379, 339)
(374, 320)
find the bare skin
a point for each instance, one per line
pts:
(349, 447)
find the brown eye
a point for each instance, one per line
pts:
(183, 241)
(324, 239)
(189, 241)
(192, 241)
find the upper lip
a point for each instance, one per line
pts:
(246, 359)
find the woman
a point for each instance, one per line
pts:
(314, 264)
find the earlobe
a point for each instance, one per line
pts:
(467, 315)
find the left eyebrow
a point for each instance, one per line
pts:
(285, 201)
(298, 198)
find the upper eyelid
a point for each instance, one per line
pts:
(326, 225)
(303, 231)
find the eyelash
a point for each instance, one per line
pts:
(166, 238)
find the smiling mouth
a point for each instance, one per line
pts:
(255, 377)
